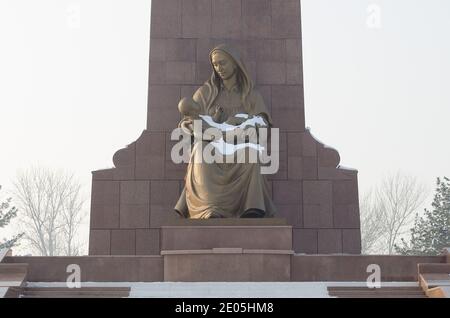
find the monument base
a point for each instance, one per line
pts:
(259, 234)
(227, 265)
(224, 250)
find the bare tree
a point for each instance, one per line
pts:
(51, 210)
(399, 199)
(371, 226)
(72, 218)
(389, 212)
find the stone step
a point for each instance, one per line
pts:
(70, 296)
(384, 292)
(435, 279)
(227, 265)
(428, 268)
(385, 288)
(82, 289)
(391, 292)
(12, 276)
(439, 292)
(13, 269)
(84, 292)
(378, 296)
(217, 234)
(228, 222)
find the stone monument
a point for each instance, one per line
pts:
(134, 201)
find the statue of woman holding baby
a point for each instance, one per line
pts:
(224, 190)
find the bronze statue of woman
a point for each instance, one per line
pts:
(225, 190)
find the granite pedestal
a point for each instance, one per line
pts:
(227, 250)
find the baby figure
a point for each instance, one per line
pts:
(188, 107)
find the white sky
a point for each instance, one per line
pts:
(74, 91)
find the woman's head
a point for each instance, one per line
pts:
(223, 64)
(226, 62)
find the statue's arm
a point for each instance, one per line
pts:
(187, 123)
(260, 109)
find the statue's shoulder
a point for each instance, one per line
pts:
(258, 106)
(201, 93)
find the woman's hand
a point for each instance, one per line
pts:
(218, 114)
(187, 126)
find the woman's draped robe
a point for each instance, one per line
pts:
(225, 189)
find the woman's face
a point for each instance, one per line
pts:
(223, 65)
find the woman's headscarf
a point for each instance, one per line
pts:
(243, 79)
(207, 94)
